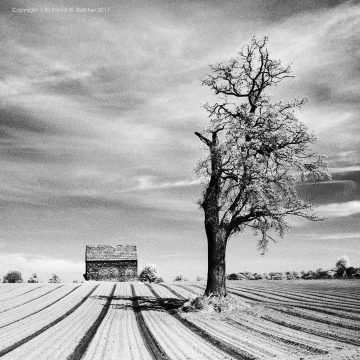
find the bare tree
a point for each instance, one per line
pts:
(33, 278)
(257, 153)
(54, 279)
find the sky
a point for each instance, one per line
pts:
(97, 118)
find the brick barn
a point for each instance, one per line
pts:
(111, 263)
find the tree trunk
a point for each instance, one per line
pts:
(216, 280)
(216, 235)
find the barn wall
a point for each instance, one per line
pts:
(111, 270)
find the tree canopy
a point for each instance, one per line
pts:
(54, 279)
(33, 278)
(149, 273)
(259, 150)
(13, 277)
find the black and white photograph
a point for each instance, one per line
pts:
(180, 179)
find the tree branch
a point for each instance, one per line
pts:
(203, 139)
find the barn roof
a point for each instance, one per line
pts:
(110, 253)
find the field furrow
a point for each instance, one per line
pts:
(295, 301)
(285, 344)
(19, 294)
(25, 330)
(28, 299)
(165, 293)
(183, 292)
(283, 320)
(250, 296)
(18, 314)
(311, 327)
(343, 295)
(15, 290)
(330, 311)
(330, 296)
(299, 340)
(189, 289)
(152, 343)
(286, 297)
(321, 306)
(298, 296)
(85, 341)
(246, 344)
(118, 337)
(338, 289)
(319, 317)
(175, 292)
(61, 339)
(226, 346)
(5, 289)
(181, 343)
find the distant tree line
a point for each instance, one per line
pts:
(342, 270)
(150, 274)
(16, 277)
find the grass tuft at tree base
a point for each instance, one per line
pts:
(214, 305)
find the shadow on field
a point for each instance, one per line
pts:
(142, 303)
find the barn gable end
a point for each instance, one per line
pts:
(111, 263)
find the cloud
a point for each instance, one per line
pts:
(336, 236)
(339, 209)
(106, 130)
(148, 182)
(15, 120)
(331, 191)
(135, 105)
(42, 265)
(345, 170)
(324, 60)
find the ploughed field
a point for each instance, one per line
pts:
(278, 320)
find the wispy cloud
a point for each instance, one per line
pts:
(148, 182)
(335, 236)
(339, 209)
(348, 169)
